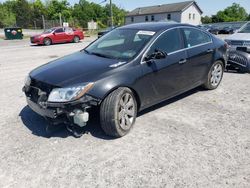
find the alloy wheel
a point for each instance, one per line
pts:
(216, 75)
(126, 113)
(47, 42)
(76, 39)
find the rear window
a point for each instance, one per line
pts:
(194, 37)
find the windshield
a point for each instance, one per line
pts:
(48, 31)
(245, 29)
(123, 44)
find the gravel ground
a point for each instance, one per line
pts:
(199, 139)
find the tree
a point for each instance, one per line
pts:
(118, 15)
(38, 9)
(232, 13)
(21, 9)
(206, 20)
(55, 7)
(7, 18)
(82, 13)
(27, 13)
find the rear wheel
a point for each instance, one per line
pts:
(118, 112)
(76, 39)
(214, 76)
(47, 41)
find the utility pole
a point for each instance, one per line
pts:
(35, 24)
(60, 17)
(43, 22)
(111, 13)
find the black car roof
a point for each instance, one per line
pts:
(153, 26)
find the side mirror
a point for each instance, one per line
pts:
(158, 54)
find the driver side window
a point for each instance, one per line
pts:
(167, 42)
(60, 30)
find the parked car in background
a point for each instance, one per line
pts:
(204, 27)
(239, 49)
(227, 30)
(58, 35)
(105, 31)
(125, 71)
(214, 30)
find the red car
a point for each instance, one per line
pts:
(58, 35)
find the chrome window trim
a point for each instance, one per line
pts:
(183, 49)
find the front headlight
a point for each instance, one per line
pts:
(69, 94)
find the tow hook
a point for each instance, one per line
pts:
(76, 130)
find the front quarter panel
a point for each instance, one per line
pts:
(221, 52)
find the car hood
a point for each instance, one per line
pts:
(74, 69)
(40, 35)
(239, 36)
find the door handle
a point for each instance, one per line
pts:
(182, 61)
(210, 50)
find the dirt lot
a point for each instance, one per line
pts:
(199, 139)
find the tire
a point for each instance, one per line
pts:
(76, 39)
(214, 76)
(118, 112)
(47, 41)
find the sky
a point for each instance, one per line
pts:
(209, 7)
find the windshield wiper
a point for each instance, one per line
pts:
(102, 55)
(99, 54)
(86, 51)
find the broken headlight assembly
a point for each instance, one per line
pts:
(27, 81)
(70, 93)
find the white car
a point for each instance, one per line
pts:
(239, 46)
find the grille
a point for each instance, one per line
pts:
(246, 43)
(237, 43)
(240, 43)
(236, 58)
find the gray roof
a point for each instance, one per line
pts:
(166, 8)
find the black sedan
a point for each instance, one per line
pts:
(213, 30)
(227, 30)
(127, 70)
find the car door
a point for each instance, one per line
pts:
(59, 35)
(200, 50)
(69, 33)
(164, 75)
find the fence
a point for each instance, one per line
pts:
(43, 23)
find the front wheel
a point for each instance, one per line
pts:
(47, 41)
(118, 112)
(214, 76)
(76, 39)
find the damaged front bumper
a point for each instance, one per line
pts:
(239, 60)
(74, 112)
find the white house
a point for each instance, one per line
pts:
(183, 12)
